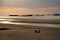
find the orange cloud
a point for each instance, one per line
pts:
(17, 10)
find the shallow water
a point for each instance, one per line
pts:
(7, 20)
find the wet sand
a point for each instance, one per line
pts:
(17, 32)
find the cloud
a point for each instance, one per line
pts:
(48, 10)
(29, 3)
(18, 10)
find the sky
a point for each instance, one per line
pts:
(30, 3)
(8, 7)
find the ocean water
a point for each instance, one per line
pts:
(47, 19)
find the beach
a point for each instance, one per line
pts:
(15, 32)
(26, 31)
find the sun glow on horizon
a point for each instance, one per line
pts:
(18, 10)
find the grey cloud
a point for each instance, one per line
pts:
(29, 3)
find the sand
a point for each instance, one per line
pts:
(16, 32)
